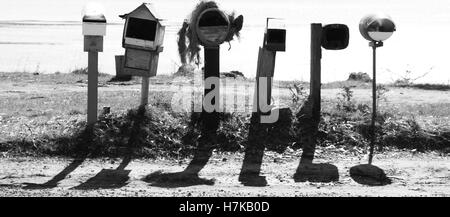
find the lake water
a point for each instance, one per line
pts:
(45, 36)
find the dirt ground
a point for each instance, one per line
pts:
(397, 95)
(411, 174)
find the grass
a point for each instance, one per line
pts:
(53, 123)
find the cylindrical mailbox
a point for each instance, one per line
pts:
(376, 27)
(212, 27)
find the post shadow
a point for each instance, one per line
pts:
(308, 135)
(209, 123)
(117, 178)
(108, 178)
(254, 153)
(85, 139)
(368, 174)
(271, 136)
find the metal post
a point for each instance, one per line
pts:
(374, 103)
(92, 87)
(315, 80)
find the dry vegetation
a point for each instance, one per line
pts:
(51, 122)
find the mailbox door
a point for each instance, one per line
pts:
(275, 40)
(140, 62)
(137, 59)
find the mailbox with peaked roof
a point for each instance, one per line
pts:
(143, 29)
(143, 37)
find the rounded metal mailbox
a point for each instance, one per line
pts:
(377, 27)
(212, 27)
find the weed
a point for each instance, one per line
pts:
(298, 94)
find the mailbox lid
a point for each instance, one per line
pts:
(97, 18)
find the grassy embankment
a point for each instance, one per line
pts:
(45, 115)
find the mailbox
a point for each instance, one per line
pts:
(377, 27)
(143, 29)
(275, 35)
(335, 37)
(212, 27)
(94, 25)
(143, 37)
(93, 29)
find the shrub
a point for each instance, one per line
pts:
(359, 76)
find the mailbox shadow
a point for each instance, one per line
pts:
(108, 178)
(308, 133)
(82, 148)
(367, 174)
(209, 123)
(271, 136)
(56, 179)
(311, 172)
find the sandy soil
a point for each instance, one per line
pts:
(412, 174)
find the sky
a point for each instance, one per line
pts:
(415, 11)
(419, 43)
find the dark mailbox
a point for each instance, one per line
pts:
(335, 36)
(275, 35)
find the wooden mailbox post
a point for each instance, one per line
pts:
(94, 28)
(274, 40)
(143, 37)
(330, 37)
(212, 28)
